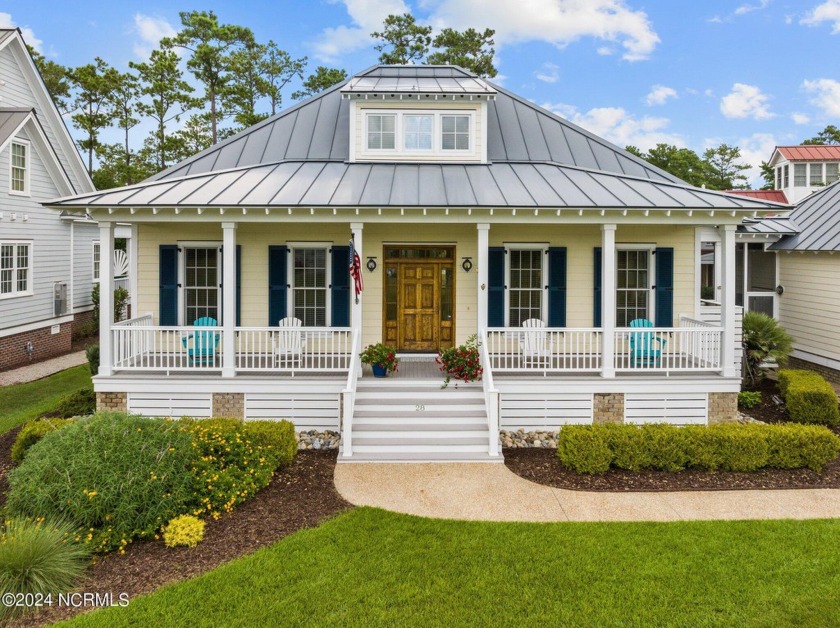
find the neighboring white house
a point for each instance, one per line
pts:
(47, 259)
(474, 211)
(801, 170)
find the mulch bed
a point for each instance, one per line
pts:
(768, 410)
(300, 496)
(543, 467)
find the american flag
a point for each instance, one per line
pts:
(356, 270)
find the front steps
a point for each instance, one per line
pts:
(399, 420)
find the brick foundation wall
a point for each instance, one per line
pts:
(81, 319)
(608, 408)
(45, 344)
(229, 405)
(723, 408)
(830, 374)
(112, 401)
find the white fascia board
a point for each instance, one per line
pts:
(185, 383)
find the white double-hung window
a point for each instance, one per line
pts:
(418, 133)
(15, 268)
(310, 283)
(19, 168)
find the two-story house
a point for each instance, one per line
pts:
(49, 260)
(474, 212)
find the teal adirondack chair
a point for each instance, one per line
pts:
(645, 346)
(202, 346)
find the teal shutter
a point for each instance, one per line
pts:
(557, 286)
(496, 286)
(664, 288)
(238, 285)
(277, 286)
(340, 288)
(168, 294)
(598, 265)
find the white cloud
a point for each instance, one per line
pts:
(29, 37)
(367, 16)
(754, 149)
(800, 118)
(828, 11)
(559, 22)
(749, 8)
(150, 29)
(659, 94)
(605, 51)
(745, 101)
(826, 95)
(620, 126)
(548, 73)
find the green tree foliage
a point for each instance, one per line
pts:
(276, 69)
(210, 45)
(167, 98)
(768, 174)
(764, 338)
(680, 162)
(94, 84)
(245, 87)
(319, 81)
(56, 78)
(829, 135)
(192, 138)
(469, 49)
(725, 171)
(403, 40)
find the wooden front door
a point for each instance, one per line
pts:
(419, 297)
(419, 316)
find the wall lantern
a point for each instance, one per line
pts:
(467, 264)
(371, 264)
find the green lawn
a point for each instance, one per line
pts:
(370, 567)
(22, 402)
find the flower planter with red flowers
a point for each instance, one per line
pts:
(381, 358)
(461, 363)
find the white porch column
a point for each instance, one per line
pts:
(228, 299)
(356, 229)
(483, 244)
(133, 243)
(608, 300)
(106, 297)
(727, 300)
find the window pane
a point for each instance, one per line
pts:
(18, 173)
(632, 286)
(381, 131)
(831, 173)
(799, 175)
(787, 176)
(418, 132)
(201, 288)
(761, 269)
(455, 132)
(310, 286)
(816, 174)
(526, 285)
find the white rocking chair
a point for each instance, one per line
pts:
(288, 344)
(537, 347)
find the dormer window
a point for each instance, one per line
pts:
(419, 134)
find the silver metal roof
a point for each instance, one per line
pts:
(10, 120)
(771, 225)
(818, 218)
(335, 184)
(417, 80)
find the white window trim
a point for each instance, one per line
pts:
(95, 269)
(399, 143)
(30, 291)
(290, 276)
(527, 246)
(182, 276)
(650, 248)
(26, 170)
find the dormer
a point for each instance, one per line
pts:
(418, 114)
(801, 170)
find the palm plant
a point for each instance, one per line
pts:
(763, 338)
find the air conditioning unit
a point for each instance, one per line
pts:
(60, 298)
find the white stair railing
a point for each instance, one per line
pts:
(491, 395)
(349, 396)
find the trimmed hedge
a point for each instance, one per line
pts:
(727, 447)
(31, 433)
(808, 397)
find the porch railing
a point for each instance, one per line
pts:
(554, 350)
(294, 349)
(491, 394)
(140, 346)
(348, 396)
(694, 346)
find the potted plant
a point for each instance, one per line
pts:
(381, 359)
(462, 362)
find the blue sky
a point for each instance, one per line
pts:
(756, 73)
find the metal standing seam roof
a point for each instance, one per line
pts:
(810, 152)
(299, 157)
(769, 226)
(333, 184)
(391, 79)
(818, 219)
(10, 120)
(776, 196)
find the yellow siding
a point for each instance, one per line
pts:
(808, 308)
(256, 238)
(474, 107)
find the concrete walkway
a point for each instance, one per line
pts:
(491, 492)
(31, 372)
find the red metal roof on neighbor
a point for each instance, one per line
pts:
(810, 152)
(776, 196)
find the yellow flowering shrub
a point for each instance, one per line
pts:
(183, 530)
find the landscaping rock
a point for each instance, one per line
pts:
(520, 438)
(313, 439)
